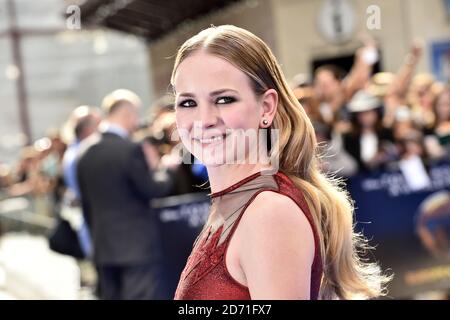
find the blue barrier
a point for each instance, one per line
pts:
(400, 222)
(181, 219)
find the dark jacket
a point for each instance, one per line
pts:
(352, 144)
(116, 187)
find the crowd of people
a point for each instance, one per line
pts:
(364, 122)
(381, 121)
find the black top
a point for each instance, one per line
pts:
(352, 144)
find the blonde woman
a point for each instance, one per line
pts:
(277, 229)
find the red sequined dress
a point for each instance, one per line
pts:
(206, 276)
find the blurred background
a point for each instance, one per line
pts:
(372, 75)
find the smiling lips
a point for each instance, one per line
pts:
(206, 141)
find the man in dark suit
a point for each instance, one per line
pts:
(116, 187)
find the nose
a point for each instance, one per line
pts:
(208, 116)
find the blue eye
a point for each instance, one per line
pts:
(225, 100)
(189, 103)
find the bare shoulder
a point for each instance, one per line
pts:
(277, 248)
(277, 214)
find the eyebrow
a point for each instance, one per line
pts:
(212, 94)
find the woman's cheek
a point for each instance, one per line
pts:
(182, 129)
(245, 115)
(185, 141)
(235, 120)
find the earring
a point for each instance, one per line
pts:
(265, 122)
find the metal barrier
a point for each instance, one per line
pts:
(15, 215)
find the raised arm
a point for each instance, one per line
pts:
(397, 91)
(362, 67)
(400, 85)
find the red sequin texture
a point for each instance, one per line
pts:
(206, 276)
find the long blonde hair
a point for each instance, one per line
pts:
(346, 275)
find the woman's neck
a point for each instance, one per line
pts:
(224, 176)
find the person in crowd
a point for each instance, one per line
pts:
(25, 168)
(369, 142)
(116, 187)
(334, 159)
(413, 160)
(333, 88)
(440, 129)
(28, 179)
(421, 97)
(85, 120)
(305, 95)
(396, 96)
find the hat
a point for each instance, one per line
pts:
(363, 101)
(379, 83)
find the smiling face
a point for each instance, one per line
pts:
(215, 108)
